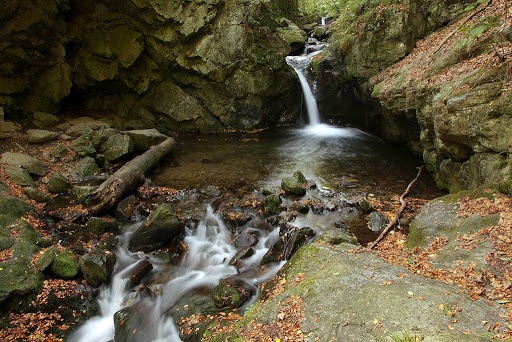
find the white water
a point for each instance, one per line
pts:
(299, 64)
(206, 262)
(323, 21)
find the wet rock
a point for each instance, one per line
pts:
(294, 36)
(86, 168)
(40, 135)
(244, 252)
(29, 163)
(125, 209)
(46, 258)
(58, 183)
(97, 266)
(18, 175)
(232, 292)
(161, 226)
(300, 206)
(271, 204)
(82, 194)
(133, 325)
(101, 225)
(65, 264)
(37, 195)
(295, 185)
(246, 238)
(336, 237)
(210, 190)
(45, 120)
(317, 207)
(365, 206)
(143, 139)
(377, 221)
(235, 219)
(117, 147)
(287, 245)
(137, 272)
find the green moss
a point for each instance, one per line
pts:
(65, 265)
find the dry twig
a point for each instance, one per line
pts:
(400, 211)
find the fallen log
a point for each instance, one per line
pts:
(403, 205)
(128, 177)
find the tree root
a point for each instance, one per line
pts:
(400, 211)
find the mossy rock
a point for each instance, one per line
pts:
(37, 195)
(18, 175)
(295, 185)
(98, 225)
(97, 266)
(271, 204)
(65, 264)
(58, 183)
(82, 194)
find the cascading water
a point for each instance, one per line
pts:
(299, 64)
(210, 250)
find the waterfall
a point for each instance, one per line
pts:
(299, 64)
(324, 21)
(210, 249)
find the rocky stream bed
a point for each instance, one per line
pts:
(448, 280)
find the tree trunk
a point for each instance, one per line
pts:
(128, 177)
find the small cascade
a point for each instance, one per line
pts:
(299, 64)
(210, 250)
(324, 21)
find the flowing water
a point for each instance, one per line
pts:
(344, 163)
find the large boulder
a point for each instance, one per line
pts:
(143, 139)
(160, 227)
(443, 218)
(358, 297)
(27, 162)
(18, 275)
(97, 266)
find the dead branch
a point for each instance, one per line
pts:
(128, 177)
(400, 211)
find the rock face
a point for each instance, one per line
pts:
(184, 65)
(447, 99)
(346, 300)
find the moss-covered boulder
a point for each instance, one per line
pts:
(31, 164)
(40, 135)
(359, 307)
(232, 292)
(295, 185)
(99, 225)
(58, 183)
(97, 266)
(45, 120)
(271, 204)
(18, 275)
(18, 175)
(117, 147)
(86, 168)
(65, 264)
(161, 226)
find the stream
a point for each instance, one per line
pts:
(219, 171)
